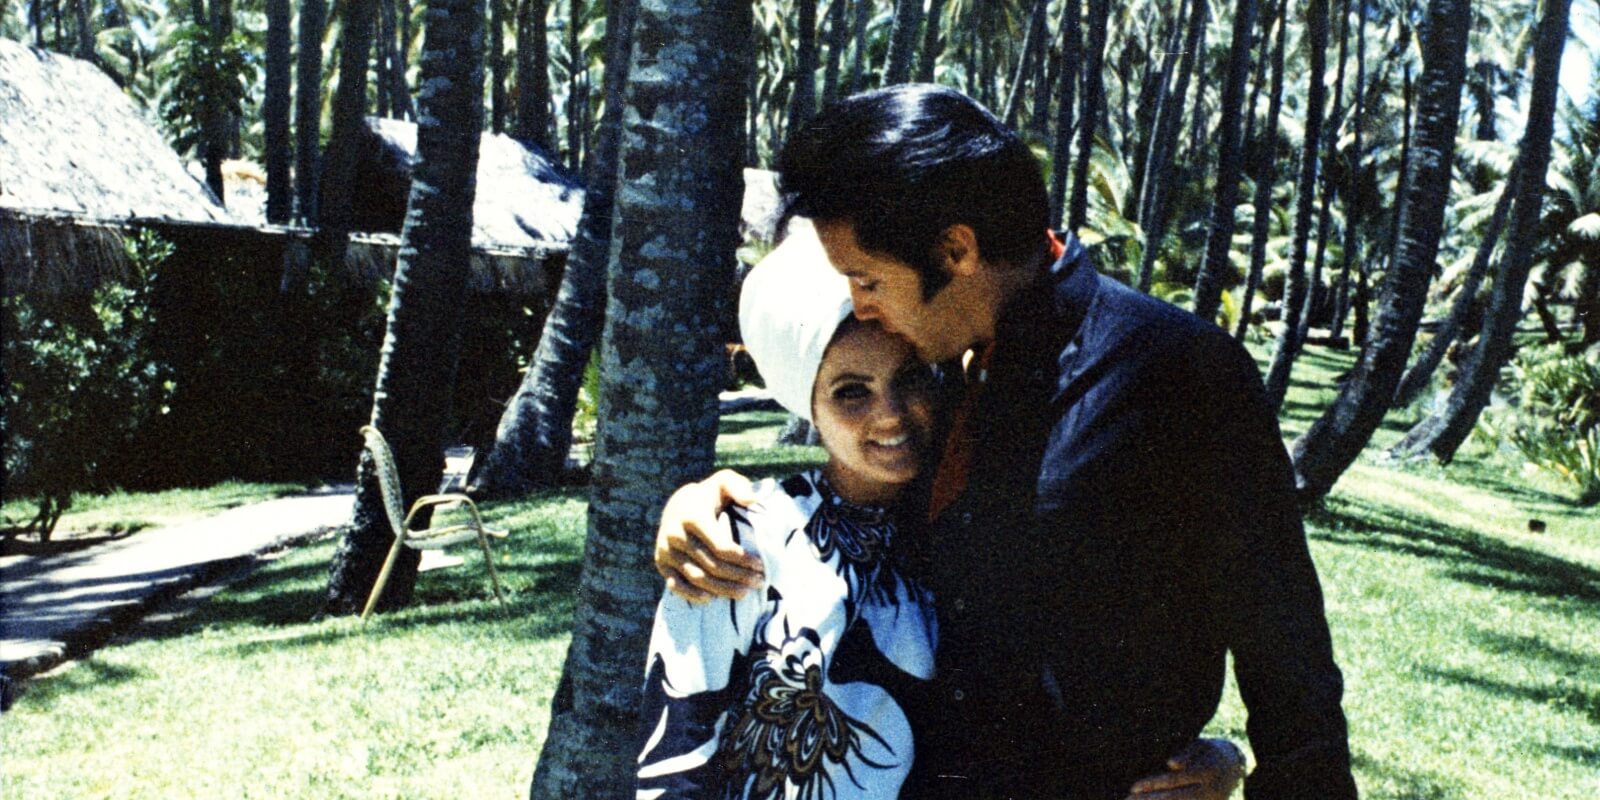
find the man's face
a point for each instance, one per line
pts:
(888, 290)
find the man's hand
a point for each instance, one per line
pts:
(1207, 769)
(697, 554)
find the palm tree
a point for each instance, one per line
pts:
(1261, 227)
(308, 105)
(275, 114)
(1332, 443)
(838, 35)
(1093, 103)
(498, 105)
(1169, 122)
(337, 183)
(1443, 432)
(1305, 195)
(535, 433)
(902, 41)
(1572, 212)
(931, 46)
(1061, 152)
(533, 73)
(672, 262)
(1215, 267)
(1033, 50)
(423, 341)
(803, 103)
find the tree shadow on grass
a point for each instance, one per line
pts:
(41, 693)
(1577, 699)
(1585, 756)
(734, 424)
(1473, 557)
(1408, 784)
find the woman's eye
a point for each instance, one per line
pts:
(851, 391)
(866, 285)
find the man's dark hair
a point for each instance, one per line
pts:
(904, 163)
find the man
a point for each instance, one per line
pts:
(1114, 510)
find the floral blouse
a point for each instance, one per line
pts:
(793, 691)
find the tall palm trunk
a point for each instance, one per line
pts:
(1033, 49)
(1152, 94)
(533, 73)
(1443, 432)
(1332, 443)
(1093, 103)
(422, 344)
(1169, 122)
(803, 103)
(275, 115)
(1352, 210)
(380, 54)
(1420, 373)
(931, 44)
(337, 183)
(1315, 296)
(902, 41)
(399, 89)
(1305, 196)
(858, 59)
(577, 97)
(1266, 173)
(1061, 152)
(838, 35)
(535, 432)
(499, 104)
(1216, 269)
(308, 106)
(676, 230)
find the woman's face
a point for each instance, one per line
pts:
(873, 407)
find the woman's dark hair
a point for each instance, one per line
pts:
(904, 163)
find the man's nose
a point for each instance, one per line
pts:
(865, 309)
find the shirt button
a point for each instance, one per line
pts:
(959, 695)
(960, 604)
(1038, 374)
(966, 518)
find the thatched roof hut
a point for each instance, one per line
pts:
(524, 198)
(77, 159)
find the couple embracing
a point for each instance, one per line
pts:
(1051, 506)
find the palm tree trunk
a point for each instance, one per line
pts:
(1443, 432)
(1093, 105)
(1032, 50)
(422, 344)
(902, 41)
(1316, 296)
(1420, 373)
(533, 74)
(931, 45)
(535, 432)
(275, 115)
(837, 37)
(1587, 306)
(380, 55)
(1061, 153)
(1352, 209)
(401, 88)
(1153, 96)
(1266, 173)
(1216, 269)
(803, 103)
(673, 260)
(499, 104)
(349, 108)
(1305, 196)
(577, 99)
(858, 59)
(308, 106)
(1169, 122)
(1332, 443)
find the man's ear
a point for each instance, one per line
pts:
(958, 247)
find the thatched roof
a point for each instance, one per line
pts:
(524, 198)
(71, 142)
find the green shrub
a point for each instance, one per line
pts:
(1555, 419)
(80, 379)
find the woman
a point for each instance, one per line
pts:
(801, 690)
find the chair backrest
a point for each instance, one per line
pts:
(388, 478)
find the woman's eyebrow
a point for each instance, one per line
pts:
(849, 376)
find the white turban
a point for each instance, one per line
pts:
(791, 304)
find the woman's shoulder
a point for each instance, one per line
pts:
(782, 505)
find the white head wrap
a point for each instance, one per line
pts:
(791, 304)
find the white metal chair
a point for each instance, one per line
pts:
(432, 538)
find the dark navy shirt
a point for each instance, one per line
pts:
(1129, 518)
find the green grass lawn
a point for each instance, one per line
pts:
(127, 512)
(1469, 646)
